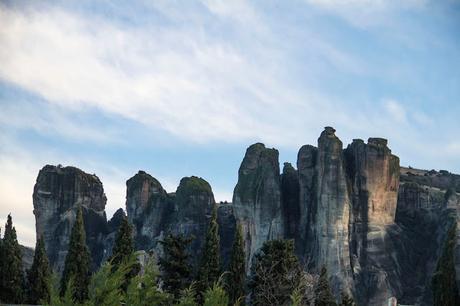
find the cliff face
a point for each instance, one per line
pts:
(373, 174)
(155, 213)
(58, 192)
(257, 198)
(378, 228)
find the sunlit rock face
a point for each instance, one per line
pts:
(58, 192)
(257, 198)
(373, 174)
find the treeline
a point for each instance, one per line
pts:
(276, 275)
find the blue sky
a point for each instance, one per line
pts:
(180, 88)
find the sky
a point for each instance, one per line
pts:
(181, 88)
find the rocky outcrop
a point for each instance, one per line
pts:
(290, 201)
(58, 193)
(373, 174)
(148, 207)
(378, 228)
(155, 213)
(257, 198)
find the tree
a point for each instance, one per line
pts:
(445, 291)
(124, 244)
(323, 291)
(174, 264)
(187, 296)
(215, 296)
(237, 268)
(123, 249)
(209, 271)
(12, 273)
(39, 275)
(275, 273)
(347, 300)
(77, 261)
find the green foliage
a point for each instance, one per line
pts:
(237, 268)
(347, 300)
(39, 275)
(323, 293)
(297, 297)
(187, 297)
(143, 289)
(209, 271)
(193, 185)
(77, 261)
(275, 274)
(12, 279)
(174, 264)
(216, 295)
(123, 250)
(104, 287)
(55, 297)
(124, 245)
(445, 291)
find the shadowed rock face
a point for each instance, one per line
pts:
(257, 198)
(156, 213)
(148, 207)
(58, 193)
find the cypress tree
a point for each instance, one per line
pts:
(209, 271)
(123, 250)
(237, 268)
(39, 275)
(174, 264)
(77, 261)
(12, 273)
(124, 244)
(323, 293)
(445, 291)
(275, 274)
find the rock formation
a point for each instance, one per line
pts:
(257, 198)
(378, 228)
(155, 213)
(58, 193)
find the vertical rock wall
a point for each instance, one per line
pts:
(58, 192)
(257, 198)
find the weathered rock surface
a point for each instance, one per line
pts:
(374, 179)
(58, 193)
(156, 213)
(378, 228)
(257, 198)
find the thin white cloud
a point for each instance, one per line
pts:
(364, 13)
(396, 111)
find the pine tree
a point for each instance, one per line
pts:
(77, 261)
(209, 271)
(445, 291)
(1, 265)
(323, 291)
(347, 300)
(123, 250)
(124, 244)
(275, 274)
(237, 268)
(174, 264)
(39, 275)
(12, 273)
